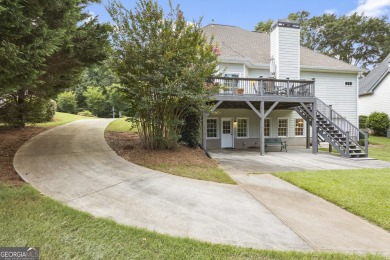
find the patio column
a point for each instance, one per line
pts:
(262, 117)
(307, 135)
(204, 130)
(314, 128)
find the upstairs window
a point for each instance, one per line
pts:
(348, 83)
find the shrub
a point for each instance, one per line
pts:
(85, 113)
(36, 110)
(363, 121)
(67, 102)
(96, 100)
(378, 122)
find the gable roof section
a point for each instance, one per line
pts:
(237, 43)
(368, 84)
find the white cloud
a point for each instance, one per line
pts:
(330, 11)
(373, 8)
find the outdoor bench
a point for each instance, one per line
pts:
(275, 142)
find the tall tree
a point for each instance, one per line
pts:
(355, 39)
(162, 62)
(44, 46)
(264, 26)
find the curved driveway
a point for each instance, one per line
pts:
(73, 163)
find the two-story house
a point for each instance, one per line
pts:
(271, 86)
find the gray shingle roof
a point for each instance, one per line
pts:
(236, 42)
(368, 84)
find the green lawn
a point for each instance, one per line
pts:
(61, 119)
(31, 219)
(120, 125)
(365, 192)
(379, 148)
(208, 173)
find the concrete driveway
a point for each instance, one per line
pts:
(74, 164)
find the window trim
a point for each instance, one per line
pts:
(295, 127)
(287, 128)
(247, 128)
(217, 129)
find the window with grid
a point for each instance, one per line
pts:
(226, 128)
(267, 127)
(299, 127)
(212, 128)
(282, 127)
(242, 127)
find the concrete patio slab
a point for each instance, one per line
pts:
(74, 164)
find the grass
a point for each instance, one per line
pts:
(31, 219)
(120, 125)
(364, 192)
(61, 119)
(379, 148)
(207, 173)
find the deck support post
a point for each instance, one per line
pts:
(331, 119)
(307, 135)
(314, 137)
(262, 117)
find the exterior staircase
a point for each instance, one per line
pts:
(347, 139)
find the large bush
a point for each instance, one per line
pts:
(379, 123)
(96, 100)
(191, 129)
(66, 102)
(363, 121)
(35, 110)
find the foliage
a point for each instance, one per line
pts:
(37, 110)
(378, 122)
(66, 102)
(44, 47)
(191, 130)
(365, 192)
(99, 76)
(61, 119)
(85, 113)
(363, 121)
(355, 39)
(162, 61)
(264, 26)
(95, 100)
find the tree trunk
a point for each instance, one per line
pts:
(20, 116)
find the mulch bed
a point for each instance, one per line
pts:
(129, 146)
(11, 139)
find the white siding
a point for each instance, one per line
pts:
(285, 48)
(379, 101)
(331, 89)
(255, 73)
(232, 68)
(254, 120)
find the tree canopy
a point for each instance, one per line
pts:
(356, 39)
(162, 62)
(44, 46)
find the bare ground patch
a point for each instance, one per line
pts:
(184, 161)
(11, 139)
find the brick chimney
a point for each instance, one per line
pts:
(285, 49)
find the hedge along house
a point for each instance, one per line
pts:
(273, 87)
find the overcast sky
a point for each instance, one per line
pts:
(246, 13)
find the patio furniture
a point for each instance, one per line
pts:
(277, 141)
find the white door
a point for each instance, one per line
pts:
(227, 133)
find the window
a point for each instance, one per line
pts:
(267, 127)
(242, 127)
(212, 128)
(299, 127)
(282, 126)
(348, 83)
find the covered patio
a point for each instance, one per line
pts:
(247, 161)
